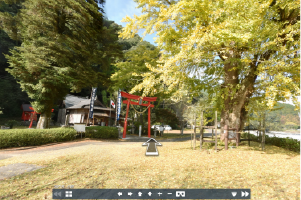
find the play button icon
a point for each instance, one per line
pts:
(244, 194)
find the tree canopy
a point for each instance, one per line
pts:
(63, 46)
(229, 49)
(128, 73)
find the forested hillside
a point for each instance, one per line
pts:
(282, 117)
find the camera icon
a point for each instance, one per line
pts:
(180, 193)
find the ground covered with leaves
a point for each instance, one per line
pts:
(273, 174)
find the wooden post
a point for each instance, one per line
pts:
(88, 119)
(110, 113)
(215, 130)
(149, 121)
(263, 134)
(249, 131)
(237, 137)
(201, 132)
(226, 136)
(260, 126)
(194, 133)
(93, 120)
(238, 134)
(126, 118)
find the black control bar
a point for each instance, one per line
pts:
(151, 194)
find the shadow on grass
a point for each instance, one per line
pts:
(243, 146)
(269, 149)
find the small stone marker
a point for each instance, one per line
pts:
(4, 127)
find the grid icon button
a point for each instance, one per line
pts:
(68, 194)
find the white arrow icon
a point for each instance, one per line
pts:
(234, 193)
(119, 193)
(152, 147)
(244, 194)
(139, 194)
(149, 194)
(129, 193)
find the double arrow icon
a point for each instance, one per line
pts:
(244, 194)
(57, 194)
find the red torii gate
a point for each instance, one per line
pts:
(140, 99)
(34, 116)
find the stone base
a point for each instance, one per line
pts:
(4, 127)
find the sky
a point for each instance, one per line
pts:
(117, 9)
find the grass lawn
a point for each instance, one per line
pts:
(273, 174)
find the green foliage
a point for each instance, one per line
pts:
(128, 72)
(132, 43)
(137, 124)
(286, 143)
(34, 137)
(103, 132)
(231, 50)
(63, 46)
(11, 97)
(12, 123)
(10, 93)
(105, 99)
(167, 117)
(281, 117)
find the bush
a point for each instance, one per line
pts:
(103, 132)
(286, 143)
(34, 137)
(12, 123)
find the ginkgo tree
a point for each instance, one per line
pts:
(228, 48)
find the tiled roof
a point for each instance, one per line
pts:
(86, 104)
(71, 100)
(26, 108)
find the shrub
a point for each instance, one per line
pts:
(34, 137)
(11, 123)
(104, 132)
(286, 143)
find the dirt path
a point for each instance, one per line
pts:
(11, 170)
(53, 146)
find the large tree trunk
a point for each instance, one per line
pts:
(182, 125)
(44, 120)
(236, 93)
